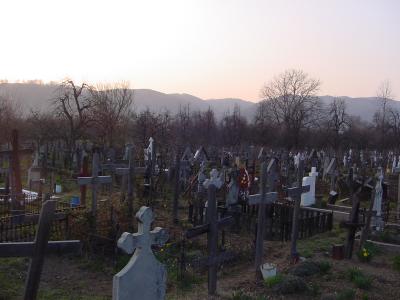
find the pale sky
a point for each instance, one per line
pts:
(207, 48)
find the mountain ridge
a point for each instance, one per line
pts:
(38, 96)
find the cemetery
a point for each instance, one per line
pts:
(200, 149)
(237, 223)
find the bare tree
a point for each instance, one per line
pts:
(112, 105)
(384, 94)
(338, 120)
(10, 115)
(234, 128)
(73, 103)
(290, 101)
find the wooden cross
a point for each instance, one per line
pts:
(17, 197)
(129, 172)
(295, 194)
(353, 222)
(262, 200)
(211, 228)
(143, 277)
(95, 181)
(38, 248)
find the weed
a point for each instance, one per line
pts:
(359, 279)
(324, 266)
(273, 280)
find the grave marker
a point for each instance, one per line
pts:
(262, 200)
(295, 193)
(144, 277)
(211, 228)
(95, 181)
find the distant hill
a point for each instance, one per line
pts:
(38, 96)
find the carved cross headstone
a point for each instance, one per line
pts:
(144, 277)
(295, 193)
(261, 200)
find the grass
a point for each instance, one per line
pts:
(396, 263)
(346, 294)
(273, 280)
(321, 243)
(361, 281)
(240, 295)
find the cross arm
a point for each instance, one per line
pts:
(25, 249)
(256, 199)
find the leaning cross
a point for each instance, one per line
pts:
(94, 181)
(295, 193)
(261, 200)
(144, 277)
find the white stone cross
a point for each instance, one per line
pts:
(214, 179)
(144, 277)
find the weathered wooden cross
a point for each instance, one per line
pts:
(262, 200)
(38, 248)
(129, 173)
(144, 277)
(95, 181)
(211, 228)
(353, 223)
(295, 194)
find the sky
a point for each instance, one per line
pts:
(207, 48)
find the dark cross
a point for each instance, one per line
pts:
(333, 173)
(313, 157)
(129, 173)
(262, 200)
(17, 200)
(38, 248)
(353, 222)
(295, 193)
(177, 188)
(211, 228)
(84, 172)
(94, 181)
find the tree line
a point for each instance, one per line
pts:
(291, 115)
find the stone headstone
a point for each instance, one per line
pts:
(308, 199)
(144, 277)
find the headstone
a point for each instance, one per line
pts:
(144, 277)
(308, 199)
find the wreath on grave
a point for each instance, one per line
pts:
(244, 179)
